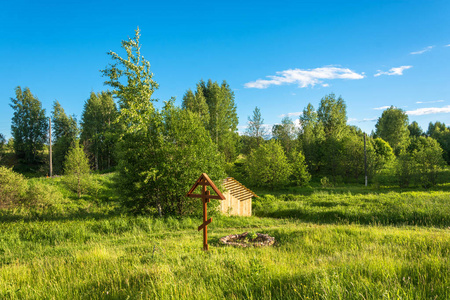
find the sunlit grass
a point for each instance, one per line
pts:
(331, 244)
(151, 258)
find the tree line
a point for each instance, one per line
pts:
(157, 153)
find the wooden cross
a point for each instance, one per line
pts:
(204, 181)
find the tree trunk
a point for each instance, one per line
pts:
(79, 187)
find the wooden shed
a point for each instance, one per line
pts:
(238, 198)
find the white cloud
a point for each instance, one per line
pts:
(382, 107)
(393, 71)
(304, 78)
(429, 111)
(436, 101)
(353, 120)
(325, 85)
(292, 114)
(426, 49)
(447, 45)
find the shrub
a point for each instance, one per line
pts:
(268, 165)
(13, 187)
(16, 192)
(76, 168)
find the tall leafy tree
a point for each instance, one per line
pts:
(255, 130)
(223, 118)
(415, 130)
(332, 113)
(133, 85)
(159, 153)
(99, 129)
(441, 133)
(300, 175)
(196, 102)
(268, 166)
(255, 127)
(311, 136)
(29, 125)
(285, 133)
(64, 133)
(392, 127)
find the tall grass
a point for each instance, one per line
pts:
(145, 258)
(422, 208)
(330, 244)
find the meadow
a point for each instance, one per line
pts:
(345, 242)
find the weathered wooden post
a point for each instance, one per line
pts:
(204, 181)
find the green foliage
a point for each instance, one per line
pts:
(255, 126)
(421, 163)
(427, 155)
(64, 133)
(133, 84)
(325, 182)
(16, 192)
(13, 188)
(300, 175)
(285, 133)
(157, 170)
(161, 153)
(2, 146)
(223, 118)
(76, 168)
(311, 137)
(415, 130)
(99, 129)
(197, 104)
(268, 166)
(392, 127)
(440, 132)
(29, 126)
(332, 113)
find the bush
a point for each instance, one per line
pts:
(18, 192)
(13, 188)
(268, 165)
(76, 168)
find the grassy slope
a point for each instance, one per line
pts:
(91, 255)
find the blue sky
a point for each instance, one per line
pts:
(278, 56)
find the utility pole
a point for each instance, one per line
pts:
(50, 143)
(365, 161)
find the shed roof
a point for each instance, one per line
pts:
(237, 189)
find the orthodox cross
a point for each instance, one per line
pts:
(204, 181)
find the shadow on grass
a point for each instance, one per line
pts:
(380, 218)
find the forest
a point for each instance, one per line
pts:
(358, 215)
(158, 152)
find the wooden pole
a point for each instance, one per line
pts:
(205, 218)
(50, 144)
(365, 161)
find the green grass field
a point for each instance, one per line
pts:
(338, 243)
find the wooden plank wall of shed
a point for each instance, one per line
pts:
(234, 207)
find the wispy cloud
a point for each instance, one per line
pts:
(292, 114)
(353, 120)
(436, 101)
(447, 45)
(382, 107)
(429, 111)
(426, 49)
(393, 71)
(305, 78)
